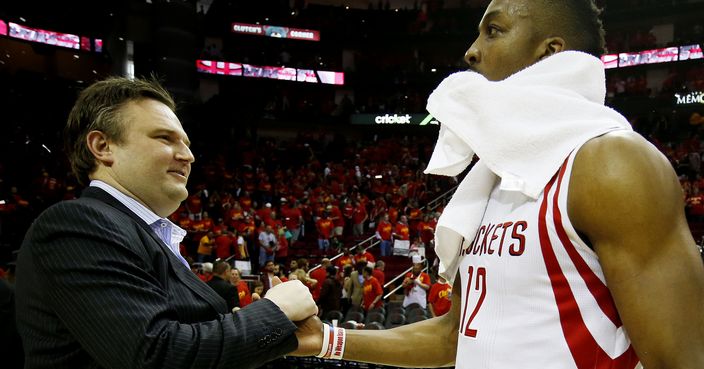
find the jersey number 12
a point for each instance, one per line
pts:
(477, 278)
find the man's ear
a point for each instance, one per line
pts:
(99, 146)
(552, 45)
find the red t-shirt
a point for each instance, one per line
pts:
(223, 246)
(319, 275)
(245, 203)
(264, 213)
(359, 214)
(402, 231)
(194, 204)
(186, 223)
(379, 275)
(343, 261)
(337, 219)
(427, 232)
(291, 217)
(366, 256)
(234, 216)
(384, 228)
(393, 215)
(244, 294)
(372, 288)
(204, 225)
(696, 205)
(324, 226)
(439, 297)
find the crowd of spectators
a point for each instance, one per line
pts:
(269, 202)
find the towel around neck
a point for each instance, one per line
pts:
(522, 129)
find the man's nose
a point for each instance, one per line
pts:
(472, 56)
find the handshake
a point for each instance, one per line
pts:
(294, 300)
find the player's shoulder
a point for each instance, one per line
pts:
(620, 169)
(620, 158)
(619, 150)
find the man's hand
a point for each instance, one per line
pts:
(310, 337)
(293, 298)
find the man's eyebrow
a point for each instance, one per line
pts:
(172, 132)
(488, 17)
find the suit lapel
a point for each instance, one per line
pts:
(182, 273)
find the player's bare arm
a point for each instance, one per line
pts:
(428, 343)
(626, 199)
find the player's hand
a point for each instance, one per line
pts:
(293, 298)
(310, 337)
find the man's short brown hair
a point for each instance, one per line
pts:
(98, 108)
(221, 267)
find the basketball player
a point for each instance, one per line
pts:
(620, 205)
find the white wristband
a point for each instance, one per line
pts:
(327, 346)
(338, 345)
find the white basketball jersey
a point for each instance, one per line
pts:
(533, 293)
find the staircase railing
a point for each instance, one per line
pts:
(373, 241)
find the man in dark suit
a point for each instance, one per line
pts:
(220, 283)
(100, 281)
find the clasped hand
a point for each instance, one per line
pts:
(295, 300)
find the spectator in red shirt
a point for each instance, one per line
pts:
(378, 272)
(243, 293)
(337, 220)
(234, 215)
(363, 256)
(695, 205)
(372, 290)
(425, 229)
(194, 205)
(359, 216)
(401, 230)
(384, 234)
(292, 217)
(264, 214)
(319, 275)
(344, 260)
(223, 245)
(393, 214)
(324, 226)
(439, 297)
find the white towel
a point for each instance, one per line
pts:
(522, 129)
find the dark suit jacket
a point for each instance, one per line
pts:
(97, 288)
(227, 291)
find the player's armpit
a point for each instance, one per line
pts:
(625, 197)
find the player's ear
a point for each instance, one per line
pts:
(551, 46)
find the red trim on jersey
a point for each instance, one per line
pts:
(597, 288)
(586, 352)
